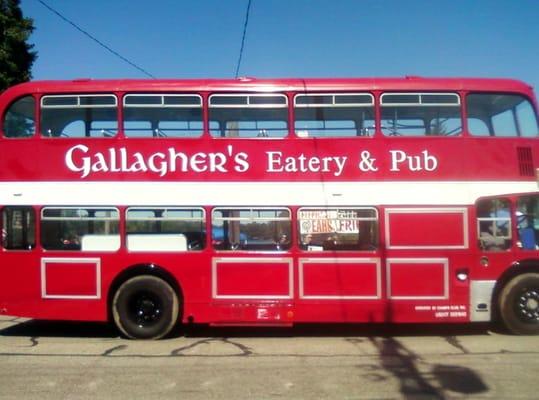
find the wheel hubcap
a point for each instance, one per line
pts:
(146, 309)
(528, 305)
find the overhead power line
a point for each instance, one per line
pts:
(243, 37)
(97, 40)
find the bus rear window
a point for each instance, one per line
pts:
(421, 114)
(504, 115)
(79, 116)
(248, 116)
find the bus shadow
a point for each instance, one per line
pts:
(67, 329)
(337, 330)
(417, 378)
(70, 329)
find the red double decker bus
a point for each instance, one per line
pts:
(270, 202)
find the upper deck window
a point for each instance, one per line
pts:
(248, 116)
(334, 115)
(162, 115)
(20, 119)
(79, 116)
(504, 115)
(421, 114)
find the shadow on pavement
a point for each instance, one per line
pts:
(41, 328)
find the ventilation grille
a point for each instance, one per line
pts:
(525, 161)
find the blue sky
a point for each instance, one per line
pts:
(288, 38)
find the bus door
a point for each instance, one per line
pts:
(426, 263)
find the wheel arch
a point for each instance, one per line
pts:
(517, 268)
(144, 269)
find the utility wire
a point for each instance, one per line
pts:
(243, 37)
(97, 40)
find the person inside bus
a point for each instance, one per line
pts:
(331, 242)
(71, 242)
(491, 242)
(283, 243)
(306, 241)
(526, 232)
(494, 225)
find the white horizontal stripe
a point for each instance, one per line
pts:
(254, 193)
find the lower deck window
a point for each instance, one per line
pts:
(76, 228)
(527, 216)
(18, 228)
(336, 229)
(258, 229)
(494, 224)
(165, 229)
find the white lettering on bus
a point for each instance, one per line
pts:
(241, 162)
(302, 163)
(80, 159)
(425, 161)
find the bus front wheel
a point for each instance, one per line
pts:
(519, 304)
(145, 307)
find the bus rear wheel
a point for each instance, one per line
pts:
(519, 304)
(145, 307)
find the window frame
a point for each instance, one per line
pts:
(201, 219)
(375, 219)
(35, 114)
(508, 239)
(251, 218)
(248, 105)
(78, 106)
(77, 247)
(335, 105)
(420, 103)
(161, 106)
(30, 225)
(514, 116)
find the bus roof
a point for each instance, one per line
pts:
(407, 83)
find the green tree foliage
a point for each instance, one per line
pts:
(16, 55)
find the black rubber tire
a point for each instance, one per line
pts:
(145, 307)
(518, 302)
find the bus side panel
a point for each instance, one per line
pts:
(55, 288)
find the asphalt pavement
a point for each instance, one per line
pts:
(53, 360)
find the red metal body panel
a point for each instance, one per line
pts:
(460, 158)
(436, 229)
(254, 278)
(73, 278)
(339, 278)
(432, 283)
